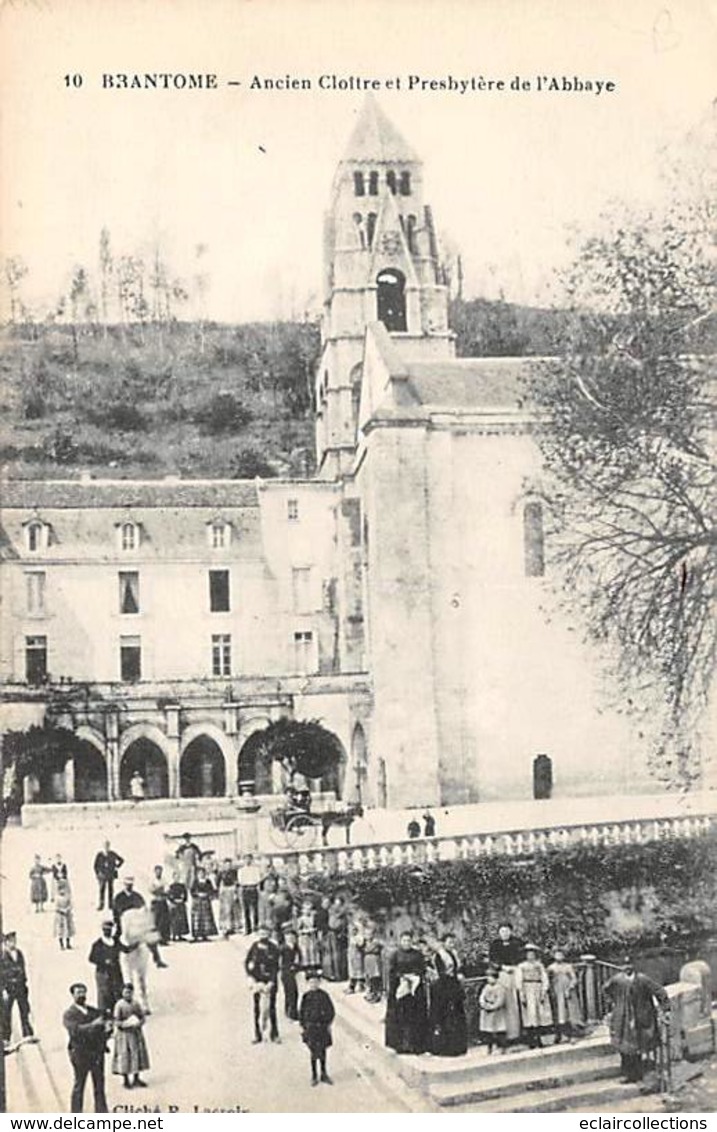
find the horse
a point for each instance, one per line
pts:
(343, 818)
(137, 932)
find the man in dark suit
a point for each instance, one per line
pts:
(262, 967)
(638, 1006)
(88, 1030)
(13, 976)
(107, 865)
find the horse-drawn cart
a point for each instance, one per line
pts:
(298, 829)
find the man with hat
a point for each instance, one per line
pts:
(128, 898)
(106, 867)
(104, 956)
(634, 1030)
(88, 1030)
(13, 976)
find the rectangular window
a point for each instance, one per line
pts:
(219, 591)
(130, 659)
(129, 536)
(35, 593)
(36, 660)
(292, 510)
(303, 651)
(129, 591)
(301, 587)
(221, 654)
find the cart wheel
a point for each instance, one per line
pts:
(278, 836)
(300, 833)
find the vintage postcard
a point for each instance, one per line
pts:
(357, 556)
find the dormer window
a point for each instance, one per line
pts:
(37, 536)
(405, 184)
(373, 183)
(359, 187)
(391, 181)
(219, 534)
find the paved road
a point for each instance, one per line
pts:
(199, 1034)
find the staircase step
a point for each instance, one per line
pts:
(544, 1078)
(586, 1097)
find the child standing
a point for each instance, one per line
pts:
(531, 980)
(130, 1055)
(64, 919)
(492, 1012)
(316, 1014)
(357, 968)
(373, 964)
(564, 996)
(308, 936)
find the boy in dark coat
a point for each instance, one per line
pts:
(638, 1004)
(316, 1014)
(13, 976)
(104, 956)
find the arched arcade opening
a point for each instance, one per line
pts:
(202, 773)
(146, 757)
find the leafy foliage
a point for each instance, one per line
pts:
(302, 746)
(31, 752)
(632, 477)
(587, 900)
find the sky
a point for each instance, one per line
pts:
(245, 174)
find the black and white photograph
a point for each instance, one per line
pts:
(358, 557)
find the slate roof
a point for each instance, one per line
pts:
(127, 493)
(375, 138)
(468, 383)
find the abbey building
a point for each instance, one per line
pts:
(399, 596)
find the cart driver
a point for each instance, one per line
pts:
(298, 795)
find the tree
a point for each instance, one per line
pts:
(30, 753)
(624, 430)
(106, 271)
(300, 746)
(15, 272)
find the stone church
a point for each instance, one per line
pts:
(399, 596)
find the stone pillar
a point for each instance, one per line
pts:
(231, 728)
(248, 826)
(592, 1006)
(173, 766)
(112, 756)
(70, 780)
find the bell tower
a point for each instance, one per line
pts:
(381, 263)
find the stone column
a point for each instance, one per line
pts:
(171, 714)
(231, 728)
(248, 826)
(70, 780)
(112, 757)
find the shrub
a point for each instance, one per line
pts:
(250, 463)
(222, 414)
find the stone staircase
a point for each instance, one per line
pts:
(581, 1076)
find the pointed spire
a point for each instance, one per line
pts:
(375, 138)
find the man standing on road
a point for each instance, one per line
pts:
(88, 1030)
(14, 987)
(249, 877)
(262, 967)
(104, 956)
(638, 1005)
(107, 865)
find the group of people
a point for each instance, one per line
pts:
(59, 894)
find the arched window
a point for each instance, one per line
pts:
(373, 183)
(405, 184)
(542, 776)
(371, 227)
(35, 536)
(360, 229)
(391, 299)
(533, 539)
(359, 187)
(391, 181)
(129, 536)
(410, 230)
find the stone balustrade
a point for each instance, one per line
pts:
(512, 843)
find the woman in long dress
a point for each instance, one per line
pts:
(406, 1005)
(335, 964)
(177, 897)
(228, 904)
(130, 1056)
(64, 918)
(506, 952)
(309, 948)
(449, 1030)
(38, 884)
(531, 980)
(158, 904)
(203, 924)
